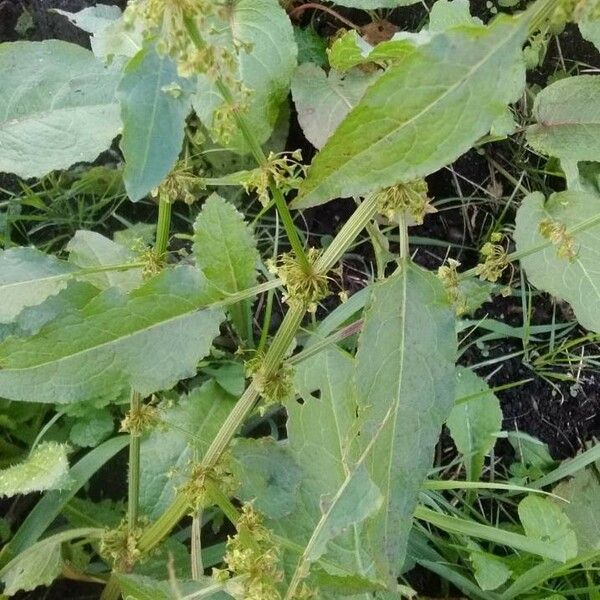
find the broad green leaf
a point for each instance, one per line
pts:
(269, 476)
(446, 14)
(322, 100)
(582, 493)
(312, 47)
(27, 278)
(32, 318)
(404, 363)
(225, 250)
(166, 453)
(42, 563)
(321, 428)
(590, 30)
(423, 112)
(90, 249)
(490, 571)
(91, 429)
(155, 102)
(147, 341)
(267, 60)
(110, 36)
(543, 520)
(474, 424)
(568, 119)
(46, 468)
(140, 587)
(577, 281)
(58, 107)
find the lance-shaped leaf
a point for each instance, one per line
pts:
(147, 341)
(405, 362)
(568, 119)
(225, 250)
(167, 453)
(323, 100)
(27, 278)
(335, 495)
(260, 33)
(474, 421)
(88, 249)
(57, 106)
(154, 104)
(578, 280)
(423, 112)
(46, 468)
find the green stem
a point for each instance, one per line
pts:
(273, 359)
(112, 590)
(403, 231)
(163, 227)
(133, 489)
(256, 151)
(196, 546)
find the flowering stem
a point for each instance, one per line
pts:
(163, 227)
(133, 484)
(256, 151)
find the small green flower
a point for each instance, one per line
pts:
(495, 259)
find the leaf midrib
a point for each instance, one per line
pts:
(115, 340)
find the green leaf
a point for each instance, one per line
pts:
(94, 427)
(140, 587)
(322, 100)
(568, 119)
(582, 493)
(321, 426)
(543, 520)
(27, 278)
(147, 341)
(166, 454)
(457, 85)
(225, 250)
(41, 564)
(266, 64)
(268, 475)
(46, 468)
(49, 507)
(446, 14)
(576, 281)
(474, 424)
(155, 102)
(110, 36)
(590, 30)
(312, 48)
(89, 249)
(59, 107)
(490, 572)
(404, 364)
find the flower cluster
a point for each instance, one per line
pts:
(119, 546)
(557, 233)
(252, 552)
(195, 487)
(144, 418)
(284, 170)
(274, 387)
(180, 184)
(409, 198)
(448, 275)
(303, 284)
(495, 259)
